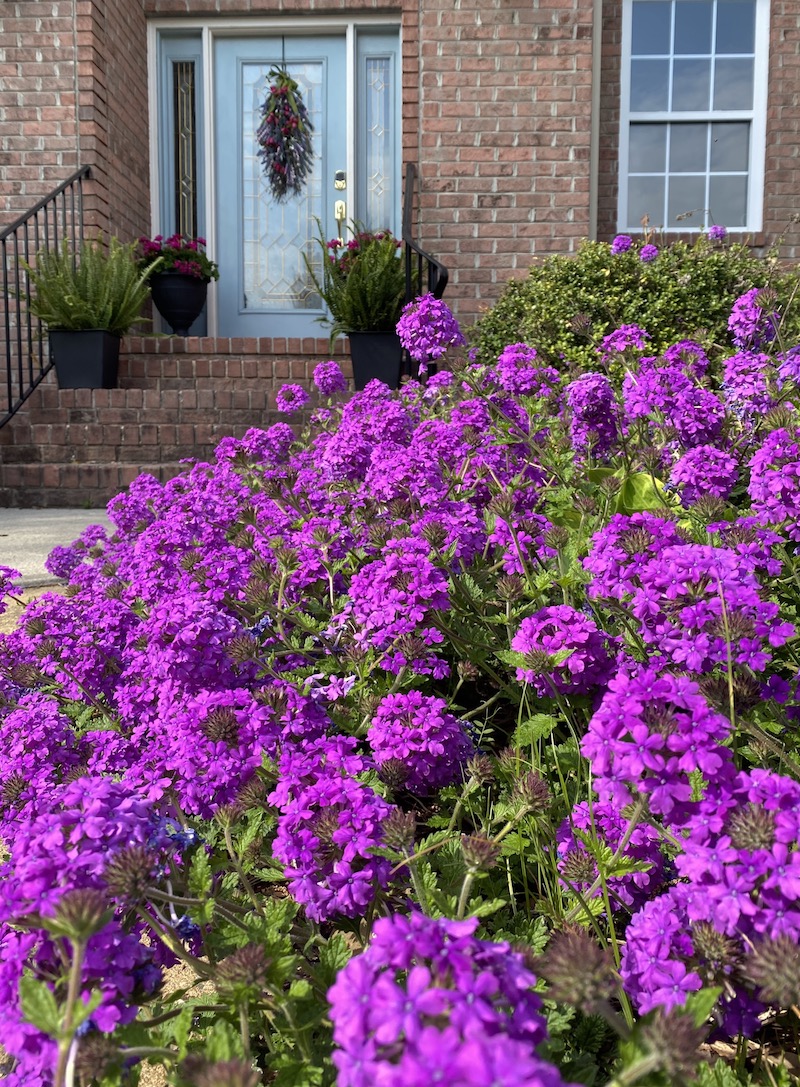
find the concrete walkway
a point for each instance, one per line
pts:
(28, 536)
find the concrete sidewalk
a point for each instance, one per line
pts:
(28, 536)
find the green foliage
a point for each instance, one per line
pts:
(364, 287)
(568, 303)
(97, 288)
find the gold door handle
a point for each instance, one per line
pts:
(340, 214)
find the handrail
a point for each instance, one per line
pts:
(436, 274)
(56, 217)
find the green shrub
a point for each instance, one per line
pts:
(568, 303)
(99, 288)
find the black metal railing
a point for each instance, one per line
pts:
(57, 217)
(423, 272)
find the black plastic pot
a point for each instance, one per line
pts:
(376, 355)
(178, 298)
(88, 359)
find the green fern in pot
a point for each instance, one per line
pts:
(88, 301)
(362, 281)
(97, 288)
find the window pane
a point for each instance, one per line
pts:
(687, 195)
(693, 26)
(688, 149)
(649, 83)
(645, 197)
(736, 26)
(733, 84)
(647, 153)
(691, 84)
(651, 22)
(730, 147)
(379, 141)
(728, 200)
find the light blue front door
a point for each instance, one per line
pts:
(264, 288)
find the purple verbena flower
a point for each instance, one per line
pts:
(750, 326)
(648, 253)
(329, 378)
(417, 730)
(621, 244)
(545, 638)
(427, 328)
(291, 398)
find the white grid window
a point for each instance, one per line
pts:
(693, 117)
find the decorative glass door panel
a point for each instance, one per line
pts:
(264, 287)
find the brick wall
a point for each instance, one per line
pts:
(38, 106)
(73, 92)
(503, 145)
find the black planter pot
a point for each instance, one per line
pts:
(178, 298)
(88, 359)
(376, 355)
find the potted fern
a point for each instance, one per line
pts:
(88, 301)
(363, 285)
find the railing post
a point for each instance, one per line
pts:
(24, 367)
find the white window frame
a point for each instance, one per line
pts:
(756, 117)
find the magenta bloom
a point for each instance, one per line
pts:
(329, 379)
(428, 1002)
(427, 328)
(717, 233)
(291, 398)
(553, 631)
(621, 244)
(430, 742)
(648, 253)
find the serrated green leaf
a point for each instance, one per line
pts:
(39, 1006)
(479, 907)
(200, 875)
(223, 1042)
(533, 729)
(701, 1004)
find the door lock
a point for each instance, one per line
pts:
(340, 214)
(340, 180)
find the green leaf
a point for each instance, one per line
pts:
(223, 1042)
(200, 875)
(534, 728)
(39, 1006)
(478, 907)
(333, 956)
(640, 492)
(701, 1004)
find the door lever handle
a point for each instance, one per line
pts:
(340, 214)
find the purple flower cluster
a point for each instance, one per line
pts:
(775, 481)
(329, 825)
(428, 1002)
(740, 866)
(520, 373)
(648, 253)
(426, 745)
(621, 244)
(621, 339)
(329, 378)
(291, 398)
(427, 328)
(578, 867)
(746, 383)
(704, 470)
(717, 233)
(749, 324)
(651, 733)
(565, 652)
(594, 416)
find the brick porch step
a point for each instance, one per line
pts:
(175, 400)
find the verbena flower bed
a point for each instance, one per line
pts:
(453, 742)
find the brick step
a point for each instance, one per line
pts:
(72, 486)
(176, 398)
